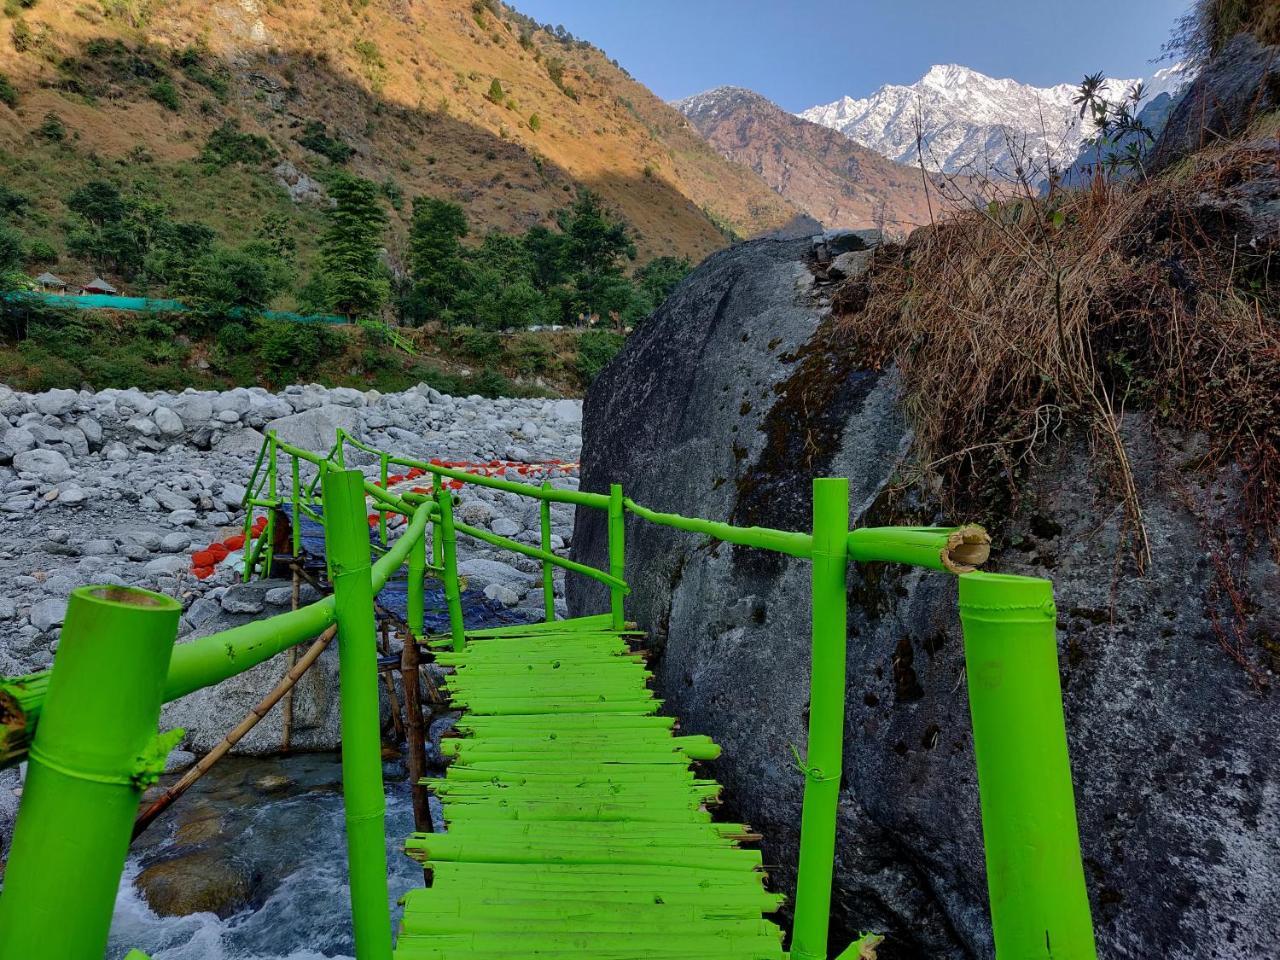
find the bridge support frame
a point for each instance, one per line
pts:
(617, 554)
(95, 750)
(825, 753)
(449, 560)
(1035, 878)
(363, 795)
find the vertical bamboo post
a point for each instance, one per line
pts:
(617, 553)
(824, 762)
(297, 509)
(272, 484)
(364, 800)
(417, 594)
(340, 450)
(415, 728)
(548, 577)
(382, 512)
(85, 778)
(286, 720)
(1039, 905)
(449, 559)
(247, 560)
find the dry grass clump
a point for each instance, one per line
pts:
(1209, 25)
(1032, 319)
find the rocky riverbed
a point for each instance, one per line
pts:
(123, 487)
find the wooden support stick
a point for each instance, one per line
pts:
(237, 734)
(384, 647)
(286, 722)
(416, 738)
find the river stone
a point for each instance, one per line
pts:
(316, 429)
(246, 441)
(48, 613)
(194, 410)
(91, 429)
(169, 423)
(1173, 751)
(48, 465)
(19, 440)
(55, 403)
(167, 566)
(202, 881)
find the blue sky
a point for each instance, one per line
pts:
(802, 52)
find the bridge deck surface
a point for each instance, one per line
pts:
(576, 826)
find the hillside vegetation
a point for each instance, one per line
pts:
(236, 115)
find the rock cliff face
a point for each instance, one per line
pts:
(723, 405)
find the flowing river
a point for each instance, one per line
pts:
(262, 843)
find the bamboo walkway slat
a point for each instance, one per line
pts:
(576, 825)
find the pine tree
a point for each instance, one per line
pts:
(353, 281)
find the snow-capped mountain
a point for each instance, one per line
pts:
(974, 123)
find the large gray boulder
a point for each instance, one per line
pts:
(723, 405)
(1234, 89)
(316, 429)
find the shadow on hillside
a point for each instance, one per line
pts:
(415, 151)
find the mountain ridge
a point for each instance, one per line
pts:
(975, 123)
(470, 102)
(836, 181)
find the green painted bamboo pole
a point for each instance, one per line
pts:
(248, 542)
(823, 765)
(364, 799)
(94, 752)
(950, 549)
(297, 507)
(449, 560)
(382, 511)
(548, 578)
(1039, 906)
(417, 603)
(617, 554)
(273, 477)
(765, 538)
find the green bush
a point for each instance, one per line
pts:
(164, 93)
(535, 122)
(8, 92)
(40, 251)
(51, 128)
(315, 137)
(289, 349)
(227, 145)
(480, 344)
(496, 93)
(595, 349)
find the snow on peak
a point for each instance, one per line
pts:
(975, 123)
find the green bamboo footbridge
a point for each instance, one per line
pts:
(577, 823)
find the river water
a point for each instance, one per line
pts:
(277, 826)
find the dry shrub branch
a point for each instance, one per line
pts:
(1033, 318)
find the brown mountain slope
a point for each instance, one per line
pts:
(822, 172)
(409, 85)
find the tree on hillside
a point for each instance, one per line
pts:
(11, 254)
(657, 278)
(436, 258)
(351, 279)
(225, 281)
(595, 248)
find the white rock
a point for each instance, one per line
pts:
(169, 423)
(502, 594)
(48, 613)
(570, 411)
(169, 566)
(55, 403)
(49, 465)
(19, 440)
(72, 495)
(116, 451)
(505, 527)
(175, 543)
(91, 429)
